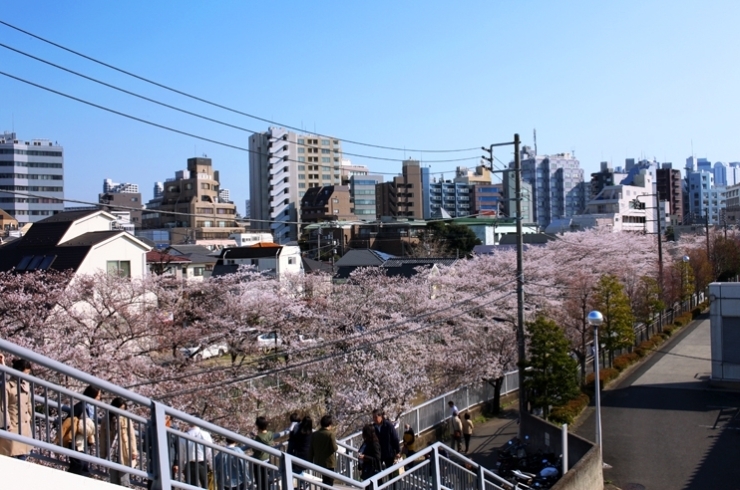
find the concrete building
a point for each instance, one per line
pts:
(605, 177)
(732, 204)
(452, 197)
(35, 167)
(404, 195)
(508, 208)
(194, 193)
(282, 167)
(326, 203)
(704, 198)
(362, 195)
(556, 180)
(720, 174)
(669, 189)
(615, 207)
(481, 175)
(486, 199)
(348, 170)
(121, 198)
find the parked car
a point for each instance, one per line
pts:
(200, 352)
(269, 341)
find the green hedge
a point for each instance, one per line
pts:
(567, 413)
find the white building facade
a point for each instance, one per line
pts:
(34, 167)
(282, 166)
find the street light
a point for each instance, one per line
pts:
(685, 260)
(596, 319)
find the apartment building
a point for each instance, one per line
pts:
(404, 195)
(282, 167)
(452, 197)
(34, 167)
(194, 193)
(669, 189)
(327, 203)
(122, 198)
(557, 184)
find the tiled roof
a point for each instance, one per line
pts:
(249, 252)
(156, 257)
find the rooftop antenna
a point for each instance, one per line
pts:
(535, 141)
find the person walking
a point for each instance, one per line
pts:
(119, 427)
(467, 430)
(173, 450)
(323, 448)
(263, 436)
(369, 453)
(197, 455)
(16, 411)
(456, 432)
(230, 471)
(81, 428)
(388, 438)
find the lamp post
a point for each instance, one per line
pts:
(596, 319)
(685, 260)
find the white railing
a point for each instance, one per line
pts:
(163, 451)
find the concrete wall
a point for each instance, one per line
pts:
(20, 474)
(548, 437)
(587, 474)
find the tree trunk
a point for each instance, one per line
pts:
(497, 383)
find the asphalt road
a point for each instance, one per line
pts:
(665, 428)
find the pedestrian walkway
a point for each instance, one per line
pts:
(491, 435)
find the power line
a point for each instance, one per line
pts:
(324, 358)
(324, 344)
(161, 126)
(215, 104)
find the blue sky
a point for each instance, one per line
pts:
(608, 80)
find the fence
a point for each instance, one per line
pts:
(138, 441)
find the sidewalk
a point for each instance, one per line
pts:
(490, 436)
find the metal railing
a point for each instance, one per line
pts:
(69, 429)
(435, 411)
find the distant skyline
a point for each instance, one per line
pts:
(610, 80)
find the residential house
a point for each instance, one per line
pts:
(269, 258)
(81, 241)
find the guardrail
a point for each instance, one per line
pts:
(161, 457)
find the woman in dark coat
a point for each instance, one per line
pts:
(299, 441)
(369, 454)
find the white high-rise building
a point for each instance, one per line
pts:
(557, 184)
(35, 167)
(282, 166)
(125, 188)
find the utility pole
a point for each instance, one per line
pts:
(521, 354)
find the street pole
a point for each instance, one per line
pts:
(595, 319)
(521, 355)
(519, 279)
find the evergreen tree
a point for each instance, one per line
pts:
(552, 379)
(617, 331)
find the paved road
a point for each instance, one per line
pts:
(665, 428)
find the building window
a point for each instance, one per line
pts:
(324, 142)
(301, 167)
(301, 141)
(301, 159)
(120, 268)
(301, 150)
(291, 260)
(325, 160)
(198, 271)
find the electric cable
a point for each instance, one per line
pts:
(192, 135)
(319, 359)
(220, 106)
(329, 342)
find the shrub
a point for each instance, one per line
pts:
(668, 331)
(647, 345)
(605, 376)
(696, 312)
(567, 413)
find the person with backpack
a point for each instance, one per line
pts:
(80, 429)
(409, 445)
